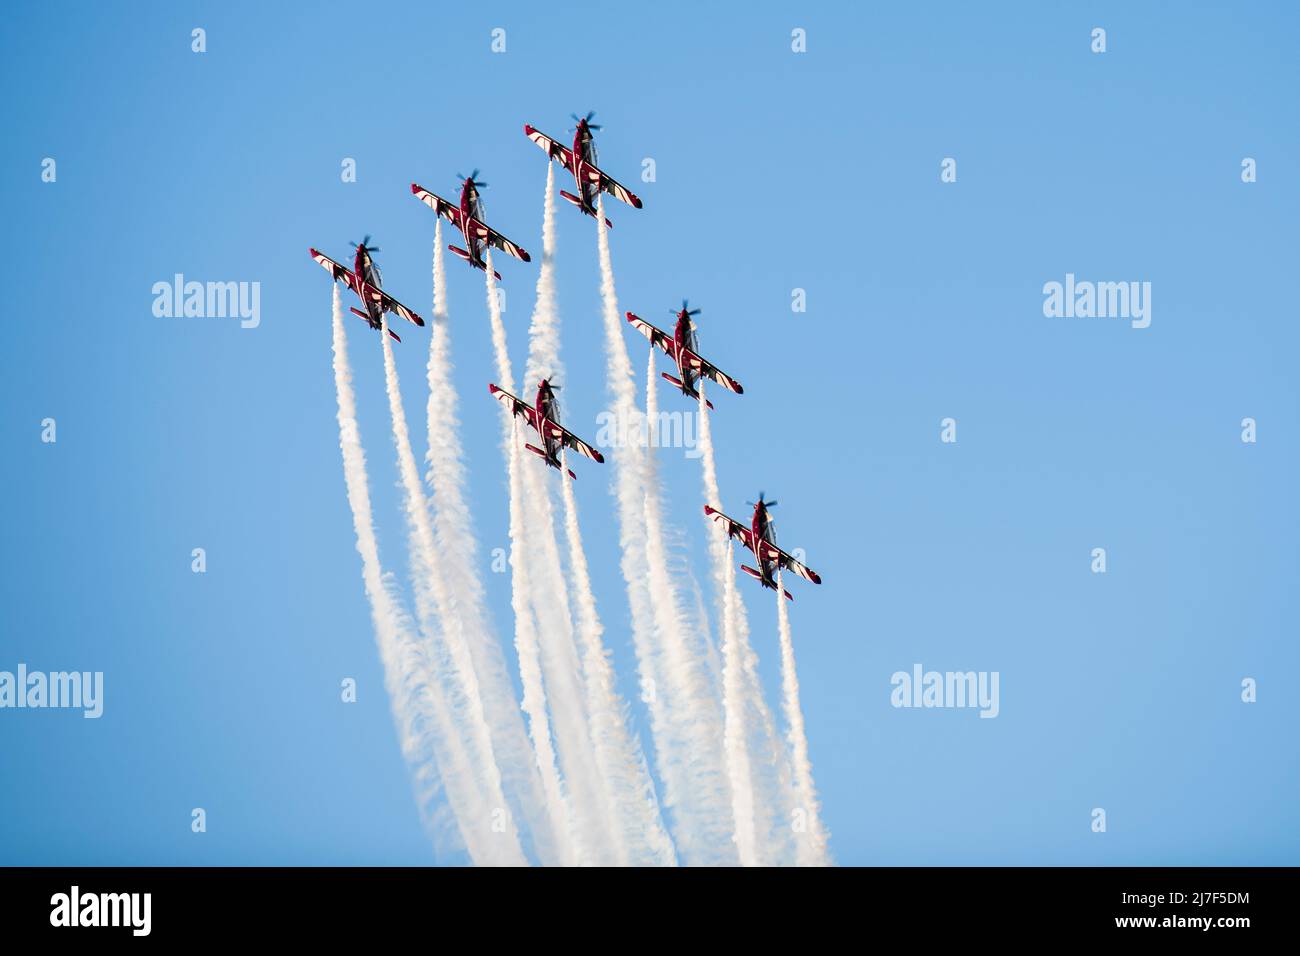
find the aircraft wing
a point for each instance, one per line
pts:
(337, 272)
(494, 238)
(555, 430)
(772, 553)
(447, 210)
(734, 528)
(602, 181)
(517, 406)
(656, 336)
(389, 304)
(709, 370)
(553, 149)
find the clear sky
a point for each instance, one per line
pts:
(774, 171)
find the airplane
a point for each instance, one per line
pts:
(760, 538)
(681, 347)
(366, 281)
(581, 161)
(468, 218)
(544, 418)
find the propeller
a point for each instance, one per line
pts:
(365, 244)
(765, 504)
(473, 178)
(685, 308)
(585, 119)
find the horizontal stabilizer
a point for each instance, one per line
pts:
(584, 207)
(759, 578)
(685, 391)
(470, 259)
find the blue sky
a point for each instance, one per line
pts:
(775, 171)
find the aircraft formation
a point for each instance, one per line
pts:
(365, 280)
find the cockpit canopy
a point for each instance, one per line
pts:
(476, 207)
(588, 148)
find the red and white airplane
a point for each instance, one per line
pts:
(760, 537)
(581, 162)
(366, 282)
(544, 417)
(468, 218)
(681, 347)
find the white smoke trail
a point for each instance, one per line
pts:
(811, 845)
(734, 638)
(548, 600)
(772, 773)
(500, 350)
(618, 755)
(628, 466)
(634, 831)
(589, 799)
(588, 789)
(422, 720)
(530, 667)
(686, 656)
(690, 792)
(459, 684)
(544, 329)
(456, 541)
